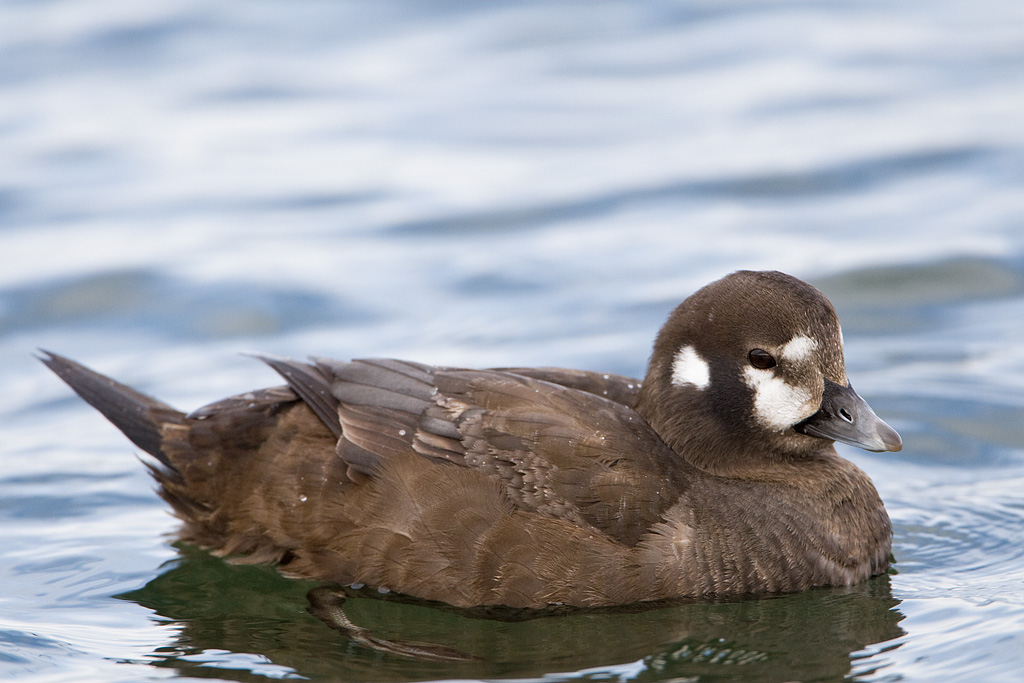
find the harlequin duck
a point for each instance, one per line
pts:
(529, 487)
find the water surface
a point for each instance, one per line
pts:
(503, 184)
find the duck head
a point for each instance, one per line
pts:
(750, 370)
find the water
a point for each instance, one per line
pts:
(503, 184)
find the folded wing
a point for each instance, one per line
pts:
(563, 450)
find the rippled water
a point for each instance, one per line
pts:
(503, 184)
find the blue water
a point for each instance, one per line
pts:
(503, 184)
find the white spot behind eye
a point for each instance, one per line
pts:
(799, 348)
(778, 405)
(689, 368)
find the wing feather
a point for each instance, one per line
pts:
(563, 443)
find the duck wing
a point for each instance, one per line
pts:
(555, 449)
(618, 388)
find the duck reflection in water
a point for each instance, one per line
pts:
(222, 611)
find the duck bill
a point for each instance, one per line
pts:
(844, 416)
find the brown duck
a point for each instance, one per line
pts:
(528, 487)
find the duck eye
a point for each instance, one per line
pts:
(761, 359)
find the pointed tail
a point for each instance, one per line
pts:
(140, 417)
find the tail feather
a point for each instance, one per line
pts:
(310, 384)
(139, 416)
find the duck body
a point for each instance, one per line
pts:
(527, 487)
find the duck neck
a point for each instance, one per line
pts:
(720, 439)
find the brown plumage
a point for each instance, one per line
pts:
(529, 487)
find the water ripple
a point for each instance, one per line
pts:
(962, 540)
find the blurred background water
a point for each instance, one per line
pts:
(503, 184)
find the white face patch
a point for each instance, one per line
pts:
(799, 349)
(778, 405)
(689, 368)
